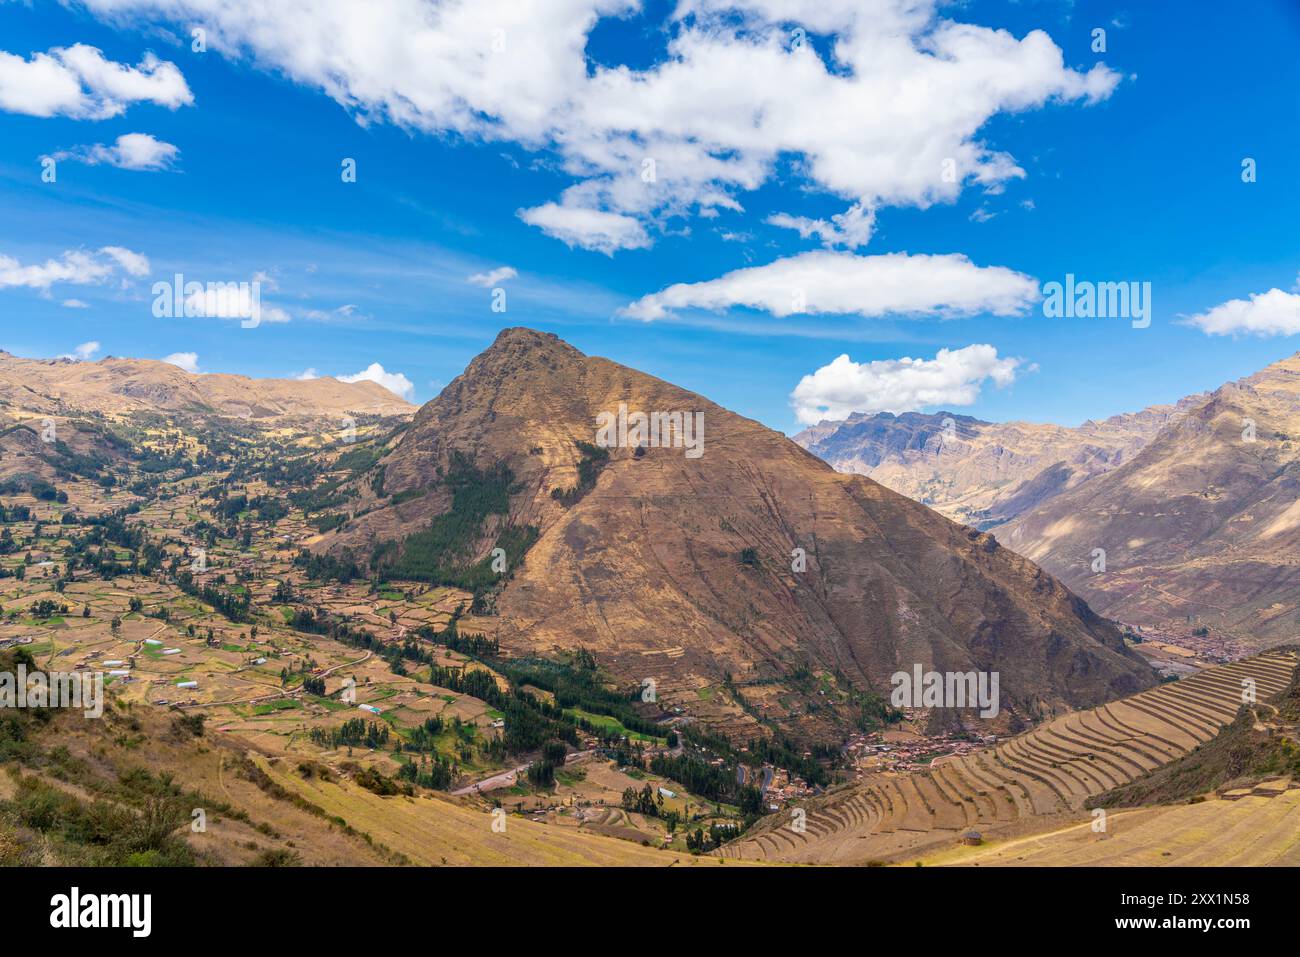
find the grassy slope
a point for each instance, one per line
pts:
(122, 789)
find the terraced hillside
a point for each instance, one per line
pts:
(1049, 771)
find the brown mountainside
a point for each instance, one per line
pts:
(1203, 522)
(679, 569)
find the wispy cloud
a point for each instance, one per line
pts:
(492, 277)
(76, 267)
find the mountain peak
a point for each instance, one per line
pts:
(678, 567)
(519, 339)
(523, 334)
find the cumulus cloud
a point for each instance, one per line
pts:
(888, 111)
(952, 378)
(76, 267)
(394, 382)
(80, 83)
(82, 352)
(189, 361)
(842, 283)
(1272, 313)
(492, 277)
(306, 375)
(133, 151)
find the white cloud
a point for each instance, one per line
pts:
(592, 229)
(953, 377)
(75, 266)
(233, 300)
(851, 228)
(394, 382)
(842, 283)
(75, 304)
(306, 375)
(189, 361)
(78, 82)
(82, 352)
(889, 112)
(492, 277)
(134, 263)
(133, 151)
(347, 311)
(1272, 313)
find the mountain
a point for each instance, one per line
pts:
(679, 569)
(1259, 744)
(1204, 521)
(982, 473)
(53, 386)
(63, 421)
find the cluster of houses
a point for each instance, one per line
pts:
(872, 754)
(1190, 641)
(776, 785)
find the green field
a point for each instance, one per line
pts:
(611, 725)
(269, 707)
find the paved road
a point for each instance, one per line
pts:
(502, 779)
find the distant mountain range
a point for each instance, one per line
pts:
(1204, 522)
(981, 473)
(1195, 505)
(115, 385)
(55, 414)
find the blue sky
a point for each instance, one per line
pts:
(1117, 166)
